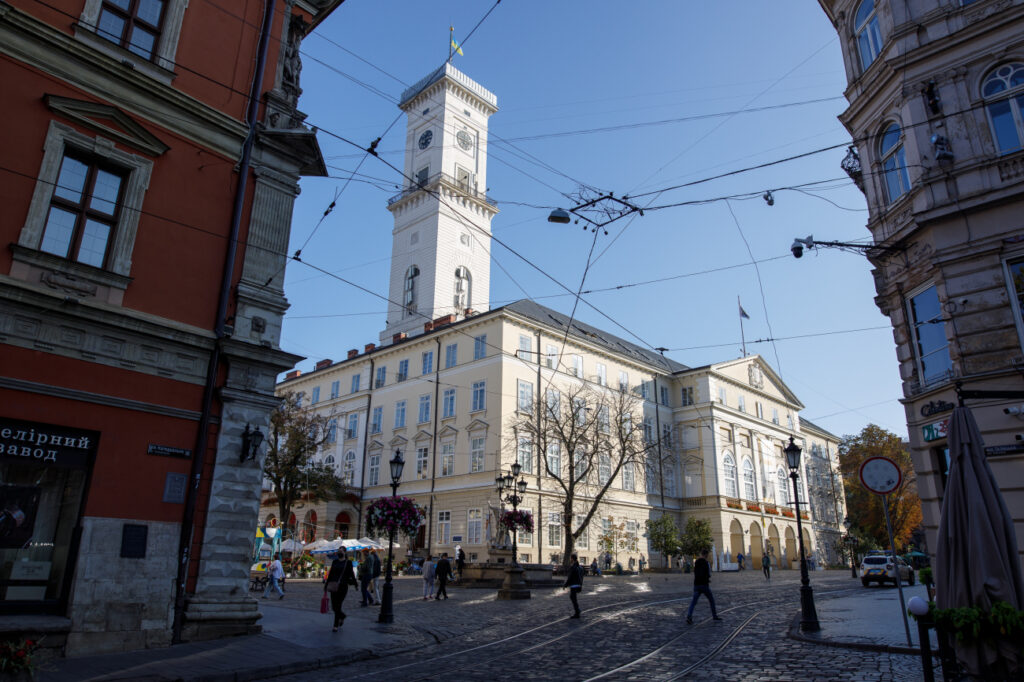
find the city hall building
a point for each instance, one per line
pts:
(449, 379)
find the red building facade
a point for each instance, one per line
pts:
(150, 164)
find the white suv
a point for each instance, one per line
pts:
(879, 568)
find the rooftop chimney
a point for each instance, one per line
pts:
(400, 336)
(326, 362)
(352, 353)
(369, 347)
(292, 374)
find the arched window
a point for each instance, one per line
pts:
(894, 163)
(341, 522)
(729, 465)
(783, 483)
(409, 300)
(869, 38)
(349, 470)
(749, 490)
(463, 283)
(329, 459)
(1003, 90)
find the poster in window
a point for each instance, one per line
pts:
(19, 505)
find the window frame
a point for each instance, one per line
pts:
(377, 419)
(480, 347)
(373, 472)
(161, 65)
(427, 362)
(400, 406)
(448, 403)
(1016, 298)
(479, 396)
(867, 28)
(474, 526)
(749, 480)
(730, 475)
(895, 153)
(447, 459)
(915, 340)
(422, 463)
(117, 266)
(423, 409)
(451, 355)
(444, 527)
(524, 396)
(477, 453)
(1013, 96)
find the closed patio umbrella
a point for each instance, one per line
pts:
(976, 557)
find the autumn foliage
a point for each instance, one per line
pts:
(864, 507)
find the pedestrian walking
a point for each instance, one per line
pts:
(574, 581)
(766, 566)
(363, 573)
(375, 571)
(460, 561)
(442, 572)
(607, 561)
(739, 560)
(702, 585)
(339, 578)
(594, 568)
(428, 578)
(275, 571)
(643, 562)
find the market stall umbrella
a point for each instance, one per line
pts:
(291, 546)
(976, 558)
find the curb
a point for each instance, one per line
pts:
(795, 634)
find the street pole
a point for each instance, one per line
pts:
(808, 614)
(852, 541)
(387, 613)
(896, 568)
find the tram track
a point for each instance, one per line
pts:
(431, 668)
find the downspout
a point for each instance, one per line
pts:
(657, 425)
(213, 367)
(540, 462)
(433, 447)
(366, 440)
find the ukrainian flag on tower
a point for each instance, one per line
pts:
(455, 45)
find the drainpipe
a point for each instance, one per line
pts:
(540, 461)
(366, 440)
(433, 447)
(185, 557)
(657, 425)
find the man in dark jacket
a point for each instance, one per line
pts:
(336, 585)
(443, 572)
(702, 585)
(574, 581)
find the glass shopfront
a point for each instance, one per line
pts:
(44, 470)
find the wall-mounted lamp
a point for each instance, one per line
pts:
(251, 442)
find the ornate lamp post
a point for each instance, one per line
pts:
(852, 542)
(808, 614)
(387, 614)
(511, 488)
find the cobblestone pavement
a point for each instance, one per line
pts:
(633, 628)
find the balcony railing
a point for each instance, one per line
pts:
(448, 180)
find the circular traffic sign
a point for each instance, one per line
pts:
(880, 475)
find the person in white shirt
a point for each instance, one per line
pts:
(275, 571)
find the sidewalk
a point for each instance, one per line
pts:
(296, 637)
(870, 619)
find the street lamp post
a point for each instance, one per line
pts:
(852, 542)
(387, 614)
(511, 488)
(808, 614)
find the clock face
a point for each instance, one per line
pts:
(880, 475)
(465, 140)
(425, 138)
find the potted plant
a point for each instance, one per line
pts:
(16, 658)
(393, 515)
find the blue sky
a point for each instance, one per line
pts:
(562, 71)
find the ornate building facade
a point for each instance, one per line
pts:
(148, 186)
(935, 111)
(451, 383)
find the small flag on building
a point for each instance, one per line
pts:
(743, 313)
(454, 45)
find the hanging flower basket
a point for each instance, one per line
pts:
(519, 519)
(398, 515)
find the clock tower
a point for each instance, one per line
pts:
(441, 241)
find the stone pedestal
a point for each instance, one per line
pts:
(514, 586)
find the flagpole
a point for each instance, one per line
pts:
(743, 339)
(451, 39)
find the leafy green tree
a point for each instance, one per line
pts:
(865, 507)
(616, 538)
(696, 537)
(292, 466)
(663, 534)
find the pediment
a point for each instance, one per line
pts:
(108, 121)
(422, 436)
(398, 441)
(477, 425)
(376, 445)
(448, 432)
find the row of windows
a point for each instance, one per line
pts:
(783, 492)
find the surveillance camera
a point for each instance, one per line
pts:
(797, 249)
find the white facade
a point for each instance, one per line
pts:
(441, 244)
